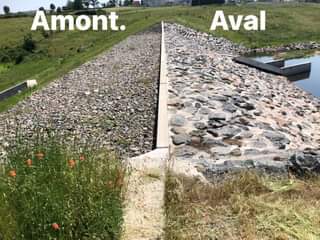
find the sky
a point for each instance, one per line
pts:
(25, 5)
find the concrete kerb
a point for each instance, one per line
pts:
(144, 216)
(163, 126)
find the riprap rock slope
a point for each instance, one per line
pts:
(225, 115)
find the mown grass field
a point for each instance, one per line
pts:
(63, 51)
(244, 207)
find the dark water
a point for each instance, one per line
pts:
(309, 82)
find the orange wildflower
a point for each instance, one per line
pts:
(82, 158)
(13, 173)
(29, 162)
(55, 226)
(72, 163)
(39, 155)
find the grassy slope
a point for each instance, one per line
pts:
(285, 23)
(63, 55)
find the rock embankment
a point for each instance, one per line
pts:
(111, 100)
(224, 45)
(225, 115)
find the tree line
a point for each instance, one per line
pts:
(73, 5)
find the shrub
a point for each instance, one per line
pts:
(6, 10)
(4, 57)
(45, 33)
(18, 53)
(19, 58)
(15, 55)
(77, 4)
(69, 5)
(28, 43)
(47, 192)
(52, 7)
(42, 9)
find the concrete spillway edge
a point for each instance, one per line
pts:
(163, 129)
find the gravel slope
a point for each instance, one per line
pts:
(111, 100)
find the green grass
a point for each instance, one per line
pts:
(243, 207)
(50, 192)
(64, 51)
(4, 68)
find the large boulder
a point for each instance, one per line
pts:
(305, 163)
(278, 139)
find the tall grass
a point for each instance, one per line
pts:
(50, 192)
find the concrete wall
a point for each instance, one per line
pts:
(13, 91)
(17, 89)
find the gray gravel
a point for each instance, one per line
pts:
(111, 100)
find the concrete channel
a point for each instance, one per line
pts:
(17, 89)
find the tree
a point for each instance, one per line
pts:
(52, 7)
(111, 3)
(77, 4)
(42, 9)
(6, 10)
(87, 4)
(59, 10)
(69, 5)
(28, 43)
(94, 3)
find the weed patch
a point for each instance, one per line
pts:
(243, 206)
(48, 191)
